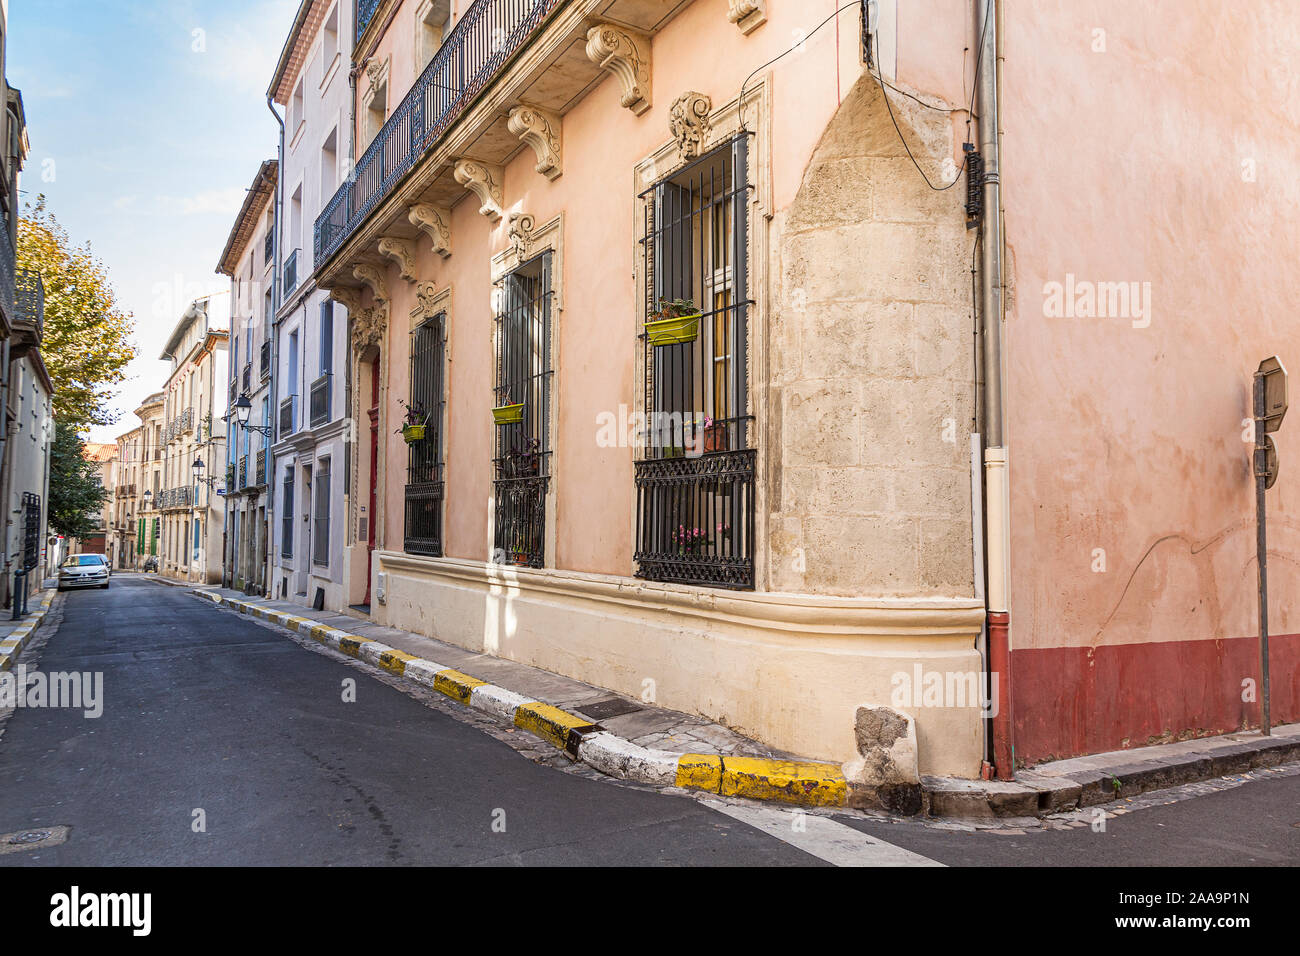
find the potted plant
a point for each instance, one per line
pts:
(416, 422)
(716, 436)
(676, 322)
(525, 461)
(508, 414)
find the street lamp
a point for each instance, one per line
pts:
(243, 408)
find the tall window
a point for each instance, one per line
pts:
(424, 479)
(695, 473)
(320, 532)
(523, 387)
(286, 521)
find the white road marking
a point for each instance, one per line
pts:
(822, 837)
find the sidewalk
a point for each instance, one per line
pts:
(620, 736)
(14, 635)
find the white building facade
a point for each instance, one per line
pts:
(312, 447)
(249, 262)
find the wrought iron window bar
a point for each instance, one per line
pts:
(320, 400)
(695, 471)
(522, 463)
(424, 466)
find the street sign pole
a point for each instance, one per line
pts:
(1261, 550)
(1270, 401)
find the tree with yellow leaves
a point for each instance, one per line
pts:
(87, 340)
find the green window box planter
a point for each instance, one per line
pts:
(677, 330)
(413, 433)
(508, 414)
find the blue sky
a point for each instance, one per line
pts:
(145, 135)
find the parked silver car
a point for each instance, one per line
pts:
(84, 571)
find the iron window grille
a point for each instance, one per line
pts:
(522, 463)
(31, 530)
(286, 520)
(320, 535)
(424, 469)
(320, 400)
(696, 464)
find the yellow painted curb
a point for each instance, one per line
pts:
(699, 771)
(320, 631)
(350, 644)
(394, 661)
(809, 784)
(548, 722)
(454, 684)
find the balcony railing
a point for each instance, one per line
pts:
(365, 13)
(260, 477)
(269, 248)
(288, 407)
(248, 377)
(242, 483)
(264, 360)
(488, 34)
(320, 400)
(290, 276)
(186, 421)
(29, 305)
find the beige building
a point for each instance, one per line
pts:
(193, 446)
(768, 365)
(141, 458)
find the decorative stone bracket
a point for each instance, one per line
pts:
(749, 15)
(520, 229)
(401, 251)
(426, 293)
(626, 54)
(349, 296)
(483, 181)
(435, 222)
(540, 129)
(689, 121)
(373, 276)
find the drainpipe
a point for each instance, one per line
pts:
(274, 328)
(996, 496)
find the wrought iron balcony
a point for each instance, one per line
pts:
(365, 13)
(243, 473)
(695, 519)
(475, 50)
(269, 248)
(186, 421)
(264, 360)
(290, 276)
(260, 477)
(29, 304)
(247, 378)
(520, 521)
(320, 400)
(288, 408)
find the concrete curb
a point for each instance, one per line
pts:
(1049, 789)
(804, 784)
(12, 645)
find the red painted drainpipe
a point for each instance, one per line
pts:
(1004, 751)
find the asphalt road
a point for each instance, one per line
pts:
(208, 711)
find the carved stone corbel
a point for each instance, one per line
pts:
(520, 229)
(483, 181)
(425, 291)
(368, 327)
(435, 222)
(373, 276)
(626, 54)
(749, 15)
(689, 121)
(349, 296)
(540, 129)
(401, 251)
